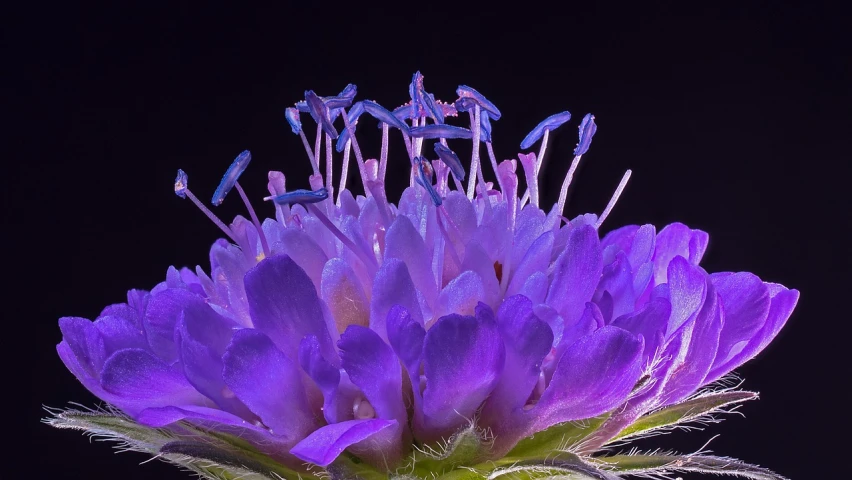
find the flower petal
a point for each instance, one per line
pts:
(594, 375)
(746, 302)
(463, 357)
(576, 273)
(325, 444)
(344, 295)
(461, 295)
(140, 380)
(405, 243)
(650, 322)
(268, 383)
(527, 340)
(392, 286)
(675, 240)
(283, 304)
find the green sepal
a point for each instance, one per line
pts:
(112, 426)
(563, 436)
(346, 467)
(646, 465)
(465, 447)
(684, 412)
(564, 465)
(227, 459)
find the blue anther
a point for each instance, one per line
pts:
(319, 112)
(292, 116)
(300, 196)
(425, 180)
(587, 131)
(432, 106)
(302, 106)
(234, 171)
(383, 115)
(485, 125)
(344, 99)
(451, 160)
(353, 115)
(440, 131)
(549, 123)
(181, 183)
(465, 91)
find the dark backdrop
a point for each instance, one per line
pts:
(733, 121)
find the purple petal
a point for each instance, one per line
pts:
(325, 444)
(406, 336)
(392, 286)
(202, 336)
(550, 123)
(268, 383)
(463, 358)
(161, 318)
(780, 309)
(404, 242)
(535, 287)
(746, 302)
(440, 131)
(650, 322)
(536, 259)
(283, 303)
(527, 340)
(617, 279)
(344, 295)
(338, 396)
(576, 273)
(687, 290)
(86, 343)
(119, 333)
(675, 240)
(594, 375)
(373, 367)
(479, 262)
(461, 295)
(141, 380)
(304, 250)
(690, 372)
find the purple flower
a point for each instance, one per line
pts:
(438, 333)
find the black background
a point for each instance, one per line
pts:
(735, 121)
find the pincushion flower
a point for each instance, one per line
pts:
(461, 332)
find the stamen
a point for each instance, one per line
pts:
(254, 220)
(319, 112)
(299, 196)
(292, 116)
(383, 157)
(424, 178)
(474, 157)
(354, 113)
(329, 166)
(358, 157)
(344, 171)
(550, 123)
(310, 152)
(368, 260)
(587, 131)
(563, 192)
(182, 191)
(233, 173)
(451, 160)
(343, 99)
(614, 199)
(528, 161)
(383, 115)
(465, 91)
(440, 131)
(493, 158)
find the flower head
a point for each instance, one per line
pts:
(441, 332)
